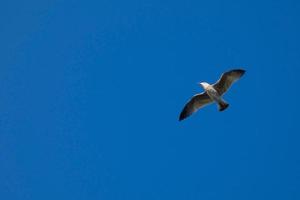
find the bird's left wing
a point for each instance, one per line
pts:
(227, 79)
(196, 102)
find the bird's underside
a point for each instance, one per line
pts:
(212, 93)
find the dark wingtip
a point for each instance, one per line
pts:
(241, 71)
(183, 115)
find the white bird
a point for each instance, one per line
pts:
(212, 93)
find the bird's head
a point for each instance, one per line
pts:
(204, 85)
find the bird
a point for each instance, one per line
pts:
(212, 93)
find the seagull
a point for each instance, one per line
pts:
(212, 93)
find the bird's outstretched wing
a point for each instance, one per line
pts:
(196, 102)
(227, 79)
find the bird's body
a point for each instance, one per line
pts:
(213, 93)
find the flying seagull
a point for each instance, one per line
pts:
(212, 93)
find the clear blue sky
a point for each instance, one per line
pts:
(90, 93)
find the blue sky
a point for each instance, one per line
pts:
(90, 93)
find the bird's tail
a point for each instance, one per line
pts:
(223, 105)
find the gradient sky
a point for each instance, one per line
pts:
(90, 93)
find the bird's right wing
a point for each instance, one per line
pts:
(196, 102)
(227, 79)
